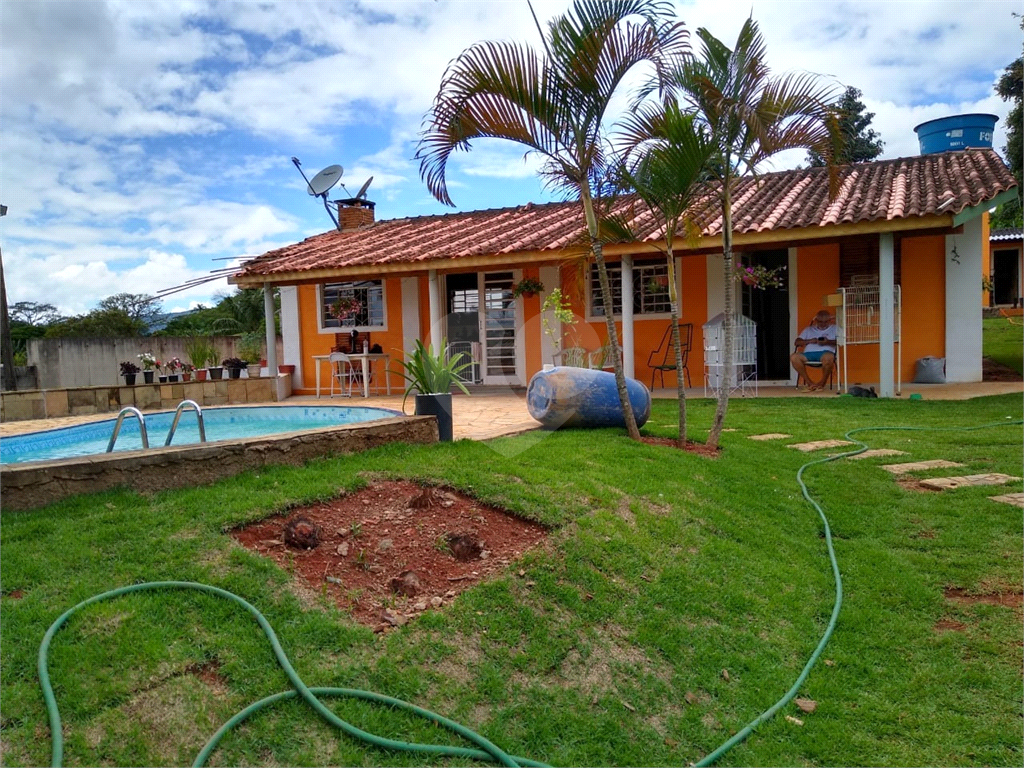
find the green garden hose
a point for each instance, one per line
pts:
(487, 751)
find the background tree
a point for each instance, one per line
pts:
(748, 116)
(1010, 87)
(555, 105)
(861, 143)
(33, 313)
(100, 323)
(138, 306)
(240, 312)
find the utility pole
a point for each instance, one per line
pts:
(10, 382)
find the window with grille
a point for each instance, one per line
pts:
(369, 294)
(650, 290)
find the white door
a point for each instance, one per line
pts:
(498, 328)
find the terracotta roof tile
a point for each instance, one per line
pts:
(887, 190)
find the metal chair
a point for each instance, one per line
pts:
(601, 358)
(573, 357)
(800, 380)
(667, 355)
(343, 372)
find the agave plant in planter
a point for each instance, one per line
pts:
(431, 377)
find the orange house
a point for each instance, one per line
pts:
(896, 254)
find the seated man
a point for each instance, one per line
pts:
(816, 344)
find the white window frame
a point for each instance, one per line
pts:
(615, 278)
(333, 329)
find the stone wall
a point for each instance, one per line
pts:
(53, 403)
(27, 486)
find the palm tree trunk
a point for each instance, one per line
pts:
(730, 320)
(673, 295)
(613, 338)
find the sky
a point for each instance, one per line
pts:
(145, 143)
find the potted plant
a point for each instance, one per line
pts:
(173, 367)
(201, 352)
(129, 370)
(527, 288)
(431, 377)
(187, 369)
(250, 349)
(149, 364)
(234, 366)
(556, 305)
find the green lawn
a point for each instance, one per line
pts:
(1003, 341)
(664, 569)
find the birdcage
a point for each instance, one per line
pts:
(858, 322)
(744, 356)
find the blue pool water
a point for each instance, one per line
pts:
(221, 424)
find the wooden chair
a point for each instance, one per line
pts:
(343, 373)
(573, 357)
(664, 357)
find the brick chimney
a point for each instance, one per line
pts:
(353, 213)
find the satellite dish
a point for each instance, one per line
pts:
(323, 181)
(362, 190)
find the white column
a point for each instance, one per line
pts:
(794, 307)
(627, 315)
(963, 304)
(291, 337)
(434, 292)
(551, 342)
(886, 316)
(268, 316)
(410, 313)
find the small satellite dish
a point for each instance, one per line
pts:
(323, 181)
(361, 194)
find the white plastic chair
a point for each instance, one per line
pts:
(573, 357)
(343, 373)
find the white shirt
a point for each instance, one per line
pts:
(811, 333)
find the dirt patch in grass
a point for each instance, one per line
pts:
(699, 449)
(946, 625)
(963, 597)
(913, 484)
(993, 371)
(395, 549)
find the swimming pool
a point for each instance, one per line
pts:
(222, 423)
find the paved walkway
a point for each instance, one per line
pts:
(495, 412)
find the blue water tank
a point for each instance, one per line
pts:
(956, 132)
(580, 397)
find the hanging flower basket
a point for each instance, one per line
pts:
(527, 288)
(346, 308)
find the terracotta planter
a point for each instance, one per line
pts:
(200, 374)
(186, 376)
(286, 369)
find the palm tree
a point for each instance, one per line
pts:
(673, 158)
(554, 104)
(748, 116)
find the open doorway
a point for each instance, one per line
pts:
(481, 323)
(1005, 278)
(769, 308)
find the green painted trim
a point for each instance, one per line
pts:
(976, 210)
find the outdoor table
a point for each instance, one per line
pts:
(366, 360)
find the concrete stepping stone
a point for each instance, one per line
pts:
(819, 445)
(770, 436)
(949, 483)
(873, 452)
(919, 466)
(1016, 499)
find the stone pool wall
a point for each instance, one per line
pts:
(26, 486)
(53, 403)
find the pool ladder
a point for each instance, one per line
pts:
(131, 411)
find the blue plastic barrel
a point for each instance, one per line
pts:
(956, 132)
(580, 397)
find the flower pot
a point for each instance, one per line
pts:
(172, 378)
(201, 374)
(162, 379)
(528, 294)
(216, 373)
(439, 405)
(234, 373)
(254, 371)
(147, 376)
(286, 369)
(129, 379)
(186, 376)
